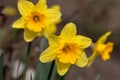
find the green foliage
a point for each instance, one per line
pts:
(97, 77)
(1, 66)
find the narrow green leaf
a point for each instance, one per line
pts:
(18, 68)
(51, 70)
(77, 77)
(54, 73)
(26, 60)
(1, 66)
(9, 74)
(14, 34)
(42, 69)
(30, 76)
(62, 77)
(2, 32)
(97, 77)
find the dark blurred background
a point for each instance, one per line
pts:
(92, 17)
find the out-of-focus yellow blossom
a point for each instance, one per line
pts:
(11, 11)
(101, 49)
(66, 49)
(35, 19)
(53, 27)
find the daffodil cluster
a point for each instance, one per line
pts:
(66, 49)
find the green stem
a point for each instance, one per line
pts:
(28, 50)
(26, 60)
(51, 70)
(9, 73)
(41, 68)
(62, 77)
(1, 66)
(14, 35)
(77, 77)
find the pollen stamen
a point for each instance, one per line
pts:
(36, 18)
(66, 49)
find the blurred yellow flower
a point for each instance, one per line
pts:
(101, 49)
(11, 11)
(52, 28)
(66, 49)
(35, 18)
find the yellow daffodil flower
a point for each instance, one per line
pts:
(35, 18)
(10, 11)
(102, 49)
(66, 49)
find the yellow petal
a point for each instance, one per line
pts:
(82, 41)
(52, 15)
(105, 56)
(20, 23)
(62, 68)
(39, 34)
(48, 55)
(103, 38)
(25, 7)
(56, 7)
(54, 40)
(82, 61)
(109, 47)
(52, 28)
(29, 35)
(41, 5)
(68, 31)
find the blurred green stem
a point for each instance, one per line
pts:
(62, 77)
(54, 73)
(97, 77)
(42, 69)
(14, 35)
(51, 71)
(1, 66)
(78, 77)
(26, 60)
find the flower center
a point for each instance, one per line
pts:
(66, 49)
(36, 18)
(69, 53)
(35, 21)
